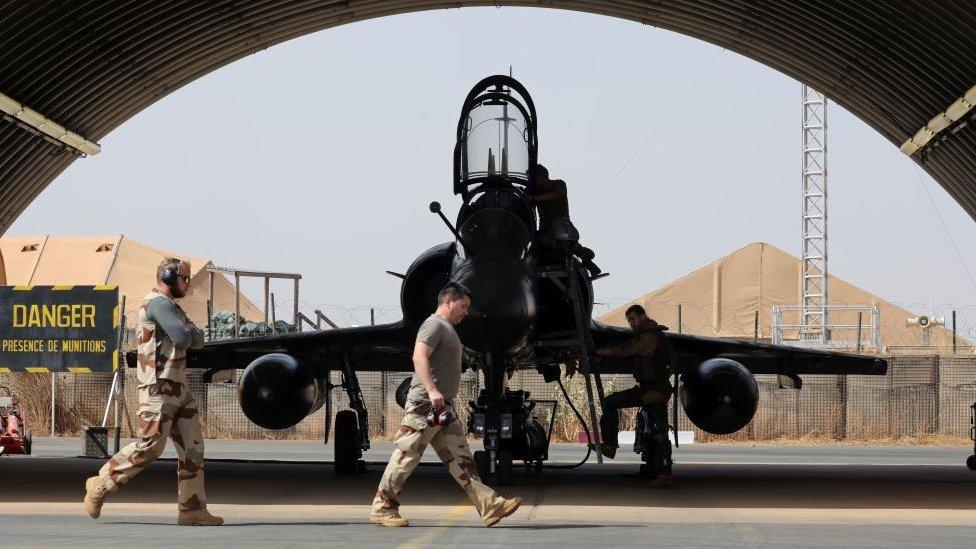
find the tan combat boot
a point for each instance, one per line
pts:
(389, 518)
(95, 494)
(198, 517)
(507, 507)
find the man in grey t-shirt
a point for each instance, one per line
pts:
(436, 378)
(439, 335)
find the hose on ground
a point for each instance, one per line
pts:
(586, 429)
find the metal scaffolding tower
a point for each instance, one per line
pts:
(814, 313)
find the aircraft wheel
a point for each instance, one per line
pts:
(503, 471)
(971, 462)
(481, 464)
(347, 447)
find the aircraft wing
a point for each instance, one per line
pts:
(385, 347)
(759, 358)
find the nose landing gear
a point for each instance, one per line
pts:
(510, 431)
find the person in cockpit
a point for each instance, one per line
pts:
(550, 198)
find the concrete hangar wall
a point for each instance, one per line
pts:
(71, 72)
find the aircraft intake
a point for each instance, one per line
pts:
(719, 395)
(277, 391)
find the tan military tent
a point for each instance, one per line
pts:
(722, 298)
(116, 259)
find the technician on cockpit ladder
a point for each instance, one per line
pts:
(653, 359)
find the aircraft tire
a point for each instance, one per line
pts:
(971, 462)
(503, 472)
(481, 464)
(504, 468)
(347, 449)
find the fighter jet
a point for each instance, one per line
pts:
(531, 308)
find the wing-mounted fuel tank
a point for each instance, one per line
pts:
(494, 165)
(719, 395)
(278, 390)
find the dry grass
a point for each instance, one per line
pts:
(33, 391)
(815, 439)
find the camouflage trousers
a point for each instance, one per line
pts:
(451, 446)
(628, 398)
(166, 409)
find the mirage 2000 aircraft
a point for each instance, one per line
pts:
(531, 308)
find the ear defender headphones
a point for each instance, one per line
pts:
(169, 276)
(171, 273)
(441, 419)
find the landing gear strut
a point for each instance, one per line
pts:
(351, 426)
(510, 432)
(971, 460)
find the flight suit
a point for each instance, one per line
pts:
(167, 409)
(651, 355)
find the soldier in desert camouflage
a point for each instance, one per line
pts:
(436, 380)
(167, 408)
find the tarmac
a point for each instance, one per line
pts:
(726, 495)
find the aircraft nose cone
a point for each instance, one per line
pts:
(502, 308)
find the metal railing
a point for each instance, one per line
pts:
(856, 327)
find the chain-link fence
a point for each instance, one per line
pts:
(921, 395)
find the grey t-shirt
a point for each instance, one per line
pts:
(445, 361)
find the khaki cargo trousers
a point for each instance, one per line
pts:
(451, 446)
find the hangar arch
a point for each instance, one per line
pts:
(905, 67)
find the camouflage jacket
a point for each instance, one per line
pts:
(159, 358)
(651, 354)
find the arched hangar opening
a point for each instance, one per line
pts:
(71, 72)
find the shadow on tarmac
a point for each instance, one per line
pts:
(745, 486)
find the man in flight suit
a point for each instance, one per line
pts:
(167, 408)
(652, 356)
(435, 385)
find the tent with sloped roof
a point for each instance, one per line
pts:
(722, 299)
(118, 260)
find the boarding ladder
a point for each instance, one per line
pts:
(578, 339)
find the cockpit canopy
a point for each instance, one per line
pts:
(496, 140)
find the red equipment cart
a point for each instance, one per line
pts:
(15, 436)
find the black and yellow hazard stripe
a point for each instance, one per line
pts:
(46, 370)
